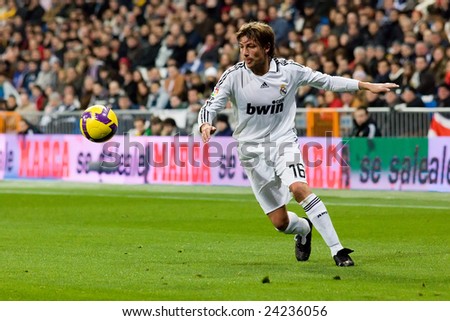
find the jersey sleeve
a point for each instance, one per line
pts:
(216, 101)
(308, 77)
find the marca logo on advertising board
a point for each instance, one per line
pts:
(43, 156)
(39, 156)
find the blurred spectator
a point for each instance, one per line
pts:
(11, 103)
(374, 100)
(332, 100)
(114, 92)
(410, 98)
(223, 126)
(195, 103)
(54, 101)
(30, 75)
(396, 73)
(32, 12)
(350, 100)
(150, 51)
(158, 97)
(155, 126)
(169, 127)
(175, 102)
(38, 97)
(26, 128)
(174, 83)
(139, 128)
(86, 92)
(7, 89)
(46, 76)
(422, 79)
(193, 64)
(142, 94)
(99, 95)
(443, 95)
(364, 125)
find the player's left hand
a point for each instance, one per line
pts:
(377, 87)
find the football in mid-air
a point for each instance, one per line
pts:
(98, 123)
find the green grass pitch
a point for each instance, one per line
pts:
(66, 241)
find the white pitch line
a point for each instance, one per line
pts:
(224, 199)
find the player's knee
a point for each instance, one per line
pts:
(300, 191)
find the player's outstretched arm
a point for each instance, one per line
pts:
(377, 87)
(206, 129)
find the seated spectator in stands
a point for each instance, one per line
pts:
(140, 128)
(30, 76)
(46, 76)
(350, 100)
(174, 83)
(223, 126)
(28, 108)
(332, 100)
(142, 94)
(169, 127)
(396, 73)
(193, 63)
(175, 102)
(26, 128)
(364, 125)
(99, 95)
(383, 70)
(443, 95)
(410, 98)
(440, 123)
(54, 101)
(422, 79)
(195, 103)
(158, 97)
(7, 89)
(114, 91)
(155, 126)
(86, 92)
(68, 103)
(373, 100)
(38, 97)
(392, 99)
(11, 103)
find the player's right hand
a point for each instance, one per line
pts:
(207, 130)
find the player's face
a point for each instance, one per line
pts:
(254, 55)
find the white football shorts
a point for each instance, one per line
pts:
(271, 169)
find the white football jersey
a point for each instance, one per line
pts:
(265, 106)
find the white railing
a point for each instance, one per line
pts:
(408, 122)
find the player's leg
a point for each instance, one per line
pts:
(289, 223)
(291, 170)
(273, 196)
(318, 214)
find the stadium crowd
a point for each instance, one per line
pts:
(65, 55)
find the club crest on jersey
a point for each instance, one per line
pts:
(215, 91)
(283, 89)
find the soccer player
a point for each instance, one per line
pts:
(262, 88)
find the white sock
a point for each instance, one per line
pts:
(297, 225)
(318, 214)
